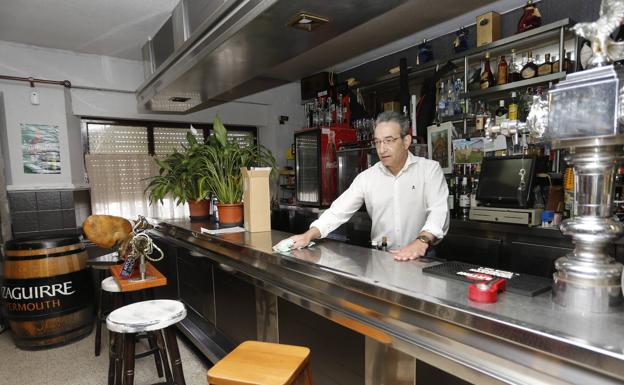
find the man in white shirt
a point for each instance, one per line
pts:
(405, 196)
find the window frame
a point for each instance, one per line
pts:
(206, 128)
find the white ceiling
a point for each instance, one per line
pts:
(104, 27)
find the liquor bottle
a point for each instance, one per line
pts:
(531, 17)
(487, 77)
(384, 243)
(473, 196)
(456, 197)
(513, 107)
(546, 67)
(464, 199)
(450, 98)
(442, 101)
(480, 117)
(501, 74)
(501, 113)
(568, 63)
(451, 197)
(530, 69)
(513, 68)
(555, 64)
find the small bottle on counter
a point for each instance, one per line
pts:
(215, 209)
(384, 243)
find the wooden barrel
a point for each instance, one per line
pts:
(46, 292)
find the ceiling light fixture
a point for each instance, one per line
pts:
(307, 22)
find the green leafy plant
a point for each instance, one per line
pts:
(181, 174)
(223, 161)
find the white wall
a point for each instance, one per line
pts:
(60, 108)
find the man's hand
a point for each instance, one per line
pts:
(414, 250)
(302, 240)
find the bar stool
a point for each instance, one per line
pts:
(263, 363)
(148, 316)
(110, 286)
(102, 266)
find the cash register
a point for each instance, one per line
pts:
(505, 190)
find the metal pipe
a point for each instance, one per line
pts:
(32, 81)
(561, 47)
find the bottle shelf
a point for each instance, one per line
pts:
(527, 38)
(512, 86)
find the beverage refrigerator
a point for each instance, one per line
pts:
(316, 163)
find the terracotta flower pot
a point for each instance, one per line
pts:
(230, 215)
(200, 210)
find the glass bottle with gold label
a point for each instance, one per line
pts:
(529, 70)
(512, 113)
(546, 67)
(487, 77)
(501, 74)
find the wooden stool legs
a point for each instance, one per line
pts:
(305, 378)
(174, 356)
(98, 317)
(128, 358)
(122, 355)
(115, 359)
(163, 353)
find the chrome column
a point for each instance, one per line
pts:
(588, 278)
(386, 365)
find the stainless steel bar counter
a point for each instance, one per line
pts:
(406, 315)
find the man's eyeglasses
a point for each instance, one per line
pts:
(387, 141)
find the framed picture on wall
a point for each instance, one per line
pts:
(468, 150)
(439, 140)
(40, 148)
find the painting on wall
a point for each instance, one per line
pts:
(439, 145)
(40, 149)
(468, 150)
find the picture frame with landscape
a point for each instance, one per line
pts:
(439, 145)
(468, 151)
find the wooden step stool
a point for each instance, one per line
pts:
(263, 363)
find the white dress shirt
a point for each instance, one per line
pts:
(400, 206)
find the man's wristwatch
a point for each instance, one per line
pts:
(424, 239)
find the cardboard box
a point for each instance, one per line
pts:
(392, 106)
(256, 199)
(488, 28)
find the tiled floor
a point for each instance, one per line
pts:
(77, 364)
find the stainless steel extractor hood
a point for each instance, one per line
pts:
(246, 46)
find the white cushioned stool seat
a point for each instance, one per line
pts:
(109, 284)
(146, 316)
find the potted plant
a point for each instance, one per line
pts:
(222, 167)
(181, 176)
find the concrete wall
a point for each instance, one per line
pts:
(120, 78)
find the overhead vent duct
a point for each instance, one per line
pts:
(235, 48)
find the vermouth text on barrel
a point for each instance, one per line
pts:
(37, 292)
(32, 306)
